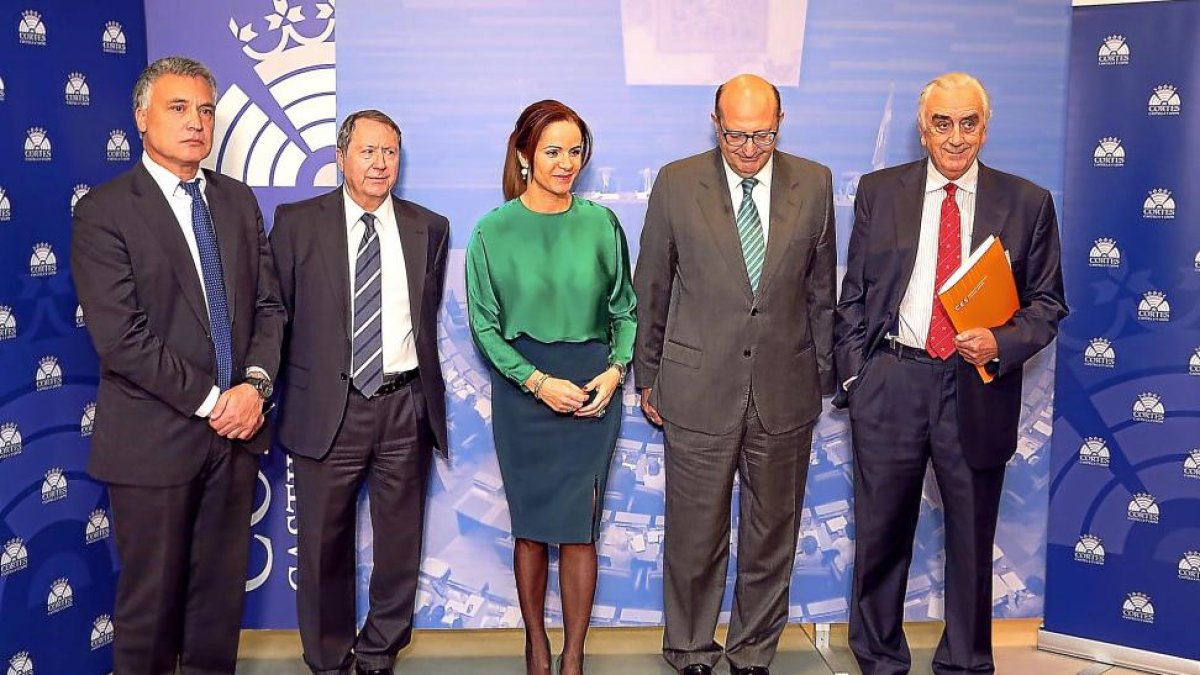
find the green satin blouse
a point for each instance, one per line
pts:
(554, 277)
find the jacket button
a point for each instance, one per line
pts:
(343, 376)
(746, 353)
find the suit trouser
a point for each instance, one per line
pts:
(903, 414)
(184, 550)
(772, 469)
(380, 442)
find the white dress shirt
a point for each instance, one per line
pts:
(916, 309)
(761, 194)
(399, 347)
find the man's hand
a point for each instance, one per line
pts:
(977, 346)
(238, 413)
(649, 410)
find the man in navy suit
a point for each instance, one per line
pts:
(910, 380)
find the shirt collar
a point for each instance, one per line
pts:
(354, 212)
(763, 175)
(165, 180)
(934, 180)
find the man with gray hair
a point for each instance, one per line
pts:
(362, 274)
(172, 267)
(910, 379)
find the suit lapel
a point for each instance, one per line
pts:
(785, 206)
(332, 248)
(909, 204)
(225, 225)
(414, 242)
(715, 204)
(991, 208)
(160, 220)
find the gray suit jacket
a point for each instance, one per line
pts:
(705, 343)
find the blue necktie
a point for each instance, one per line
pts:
(750, 232)
(214, 284)
(368, 310)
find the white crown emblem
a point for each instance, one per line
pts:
(5, 206)
(49, 374)
(20, 664)
(1159, 204)
(79, 322)
(10, 440)
(1189, 566)
(296, 65)
(102, 631)
(88, 420)
(1099, 352)
(1143, 508)
(117, 149)
(1137, 607)
(1089, 549)
(112, 41)
(1094, 452)
(54, 485)
(1109, 152)
(97, 527)
(77, 193)
(1114, 51)
(1, 88)
(1194, 362)
(31, 30)
(1191, 464)
(14, 557)
(1149, 408)
(43, 263)
(60, 597)
(77, 91)
(1164, 100)
(8, 323)
(37, 145)
(1198, 261)
(1154, 307)
(1104, 253)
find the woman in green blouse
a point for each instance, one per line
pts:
(552, 308)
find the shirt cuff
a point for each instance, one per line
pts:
(209, 403)
(260, 372)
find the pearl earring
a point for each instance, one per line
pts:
(524, 172)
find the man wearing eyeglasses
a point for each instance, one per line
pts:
(735, 284)
(909, 379)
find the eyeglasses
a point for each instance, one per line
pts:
(736, 139)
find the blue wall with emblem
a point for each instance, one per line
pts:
(67, 69)
(1123, 557)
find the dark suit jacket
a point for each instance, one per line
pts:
(147, 317)
(703, 336)
(309, 242)
(883, 250)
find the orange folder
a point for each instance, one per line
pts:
(982, 292)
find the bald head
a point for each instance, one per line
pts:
(747, 90)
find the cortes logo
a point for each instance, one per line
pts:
(20, 664)
(1099, 353)
(31, 30)
(1164, 101)
(37, 145)
(118, 146)
(102, 631)
(1189, 566)
(1104, 253)
(88, 421)
(60, 596)
(8, 323)
(5, 205)
(1159, 205)
(1114, 51)
(1, 88)
(97, 528)
(1089, 549)
(1137, 607)
(77, 92)
(1094, 452)
(1191, 464)
(1108, 153)
(1154, 307)
(112, 41)
(49, 374)
(43, 262)
(77, 193)
(14, 557)
(1143, 508)
(79, 321)
(1197, 261)
(1149, 408)
(1194, 362)
(54, 486)
(10, 440)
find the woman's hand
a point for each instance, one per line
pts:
(560, 395)
(605, 385)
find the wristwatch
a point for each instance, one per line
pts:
(620, 369)
(261, 384)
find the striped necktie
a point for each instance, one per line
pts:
(749, 226)
(214, 284)
(940, 342)
(368, 306)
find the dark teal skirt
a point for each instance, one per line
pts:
(554, 466)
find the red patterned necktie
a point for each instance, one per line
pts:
(940, 342)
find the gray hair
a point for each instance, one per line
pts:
(953, 80)
(169, 65)
(347, 128)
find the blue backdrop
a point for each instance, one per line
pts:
(1124, 536)
(66, 71)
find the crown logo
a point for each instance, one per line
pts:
(31, 17)
(55, 472)
(1164, 91)
(1104, 243)
(36, 132)
(1155, 298)
(112, 26)
(1100, 344)
(1144, 498)
(1138, 598)
(48, 362)
(281, 26)
(97, 516)
(1160, 194)
(1148, 397)
(1114, 39)
(1089, 539)
(1110, 140)
(60, 583)
(1094, 442)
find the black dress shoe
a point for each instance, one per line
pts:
(750, 670)
(696, 669)
(359, 670)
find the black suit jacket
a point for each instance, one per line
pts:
(147, 317)
(882, 252)
(310, 247)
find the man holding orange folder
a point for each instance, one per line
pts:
(909, 377)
